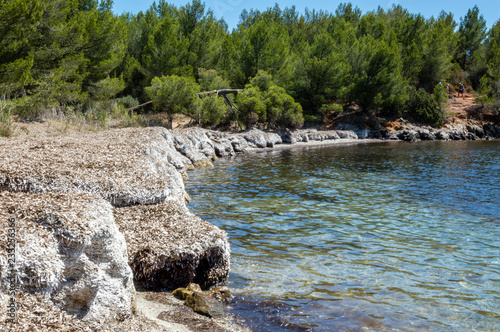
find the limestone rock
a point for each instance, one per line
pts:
(409, 136)
(426, 135)
(346, 134)
(36, 312)
(70, 250)
(272, 139)
(169, 247)
(124, 166)
(195, 145)
(255, 138)
(239, 143)
(442, 135)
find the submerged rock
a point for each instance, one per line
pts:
(205, 303)
(70, 250)
(169, 247)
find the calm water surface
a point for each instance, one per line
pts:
(383, 237)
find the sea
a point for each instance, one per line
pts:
(392, 236)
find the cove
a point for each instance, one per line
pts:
(384, 236)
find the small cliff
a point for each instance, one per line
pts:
(93, 213)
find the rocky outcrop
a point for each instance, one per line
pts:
(470, 131)
(68, 249)
(77, 197)
(124, 166)
(169, 247)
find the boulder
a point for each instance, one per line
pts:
(69, 249)
(409, 136)
(346, 134)
(195, 147)
(492, 131)
(286, 137)
(255, 138)
(426, 135)
(169, 247)
(204, 304)
(476, 130)
(272, 139)
(222, 143)
(442, 135)
(239, 143)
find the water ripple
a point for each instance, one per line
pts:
(380, 237)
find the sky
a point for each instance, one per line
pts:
(230, 10)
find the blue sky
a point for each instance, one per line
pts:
(230, 10)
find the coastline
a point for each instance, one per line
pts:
(138, 173)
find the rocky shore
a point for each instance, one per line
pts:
(93, 216)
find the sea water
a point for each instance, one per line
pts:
(384, 237)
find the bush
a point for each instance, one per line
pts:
(331, 108)
(272, 105)
(484, 91)
(5, 119)
(174, 94)
(211, 111)
(128, 101)
(209, 80)
(107, 88)
(427, 108)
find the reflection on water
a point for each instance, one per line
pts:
(381, 237)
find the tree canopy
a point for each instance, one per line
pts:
(69, 53)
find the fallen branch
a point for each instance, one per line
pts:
(143, 107)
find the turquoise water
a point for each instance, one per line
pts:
(392, 236)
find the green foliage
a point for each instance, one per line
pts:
(425, 107)
(331, 108)
(174, 94)
(107, 88)
(471, 34)
(5, 119)
(18, 21)
(264, 46)
(265, 102)
(484, 92)
(375, 81)
(128, 101)
(211, 111)
(74, 53)
(209, 80)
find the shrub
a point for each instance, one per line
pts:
(483, 92)
(5, 119)
(211, 111)
(427, 108)
(107, 88)
(209, 80)
(128, 101)
(331, 108)
(174, 94)
(272, 105)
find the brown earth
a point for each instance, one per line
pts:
(459, 111)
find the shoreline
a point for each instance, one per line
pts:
(131, 177)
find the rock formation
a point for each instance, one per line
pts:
(69, 249)
(169, 247)
(95, 211)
